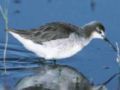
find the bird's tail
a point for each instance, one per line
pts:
(10, 30)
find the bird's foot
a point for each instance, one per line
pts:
(54, 62)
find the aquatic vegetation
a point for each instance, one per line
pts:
(118, 61)
(4, 12)
(17, 1)
(93, 5)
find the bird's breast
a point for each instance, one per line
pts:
(64, 48)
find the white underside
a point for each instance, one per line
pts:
(54, 49)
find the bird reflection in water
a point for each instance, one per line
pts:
(57, 77)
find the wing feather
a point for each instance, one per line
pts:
(50, 31)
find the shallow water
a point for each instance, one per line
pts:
(97, 61)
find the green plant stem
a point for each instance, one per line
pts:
(6, 42)
(5, 51)
(5, 17)
(118, 61)
(119, 77)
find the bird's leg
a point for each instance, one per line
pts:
(42, 61)
(54, 62)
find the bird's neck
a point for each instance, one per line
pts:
(87, 41)
(88, 32)
(87, 35)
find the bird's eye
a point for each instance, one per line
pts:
(99, 31)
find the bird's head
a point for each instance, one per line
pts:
(96, 29)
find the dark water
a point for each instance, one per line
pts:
(97, 61)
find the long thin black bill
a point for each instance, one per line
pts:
(108, 41)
